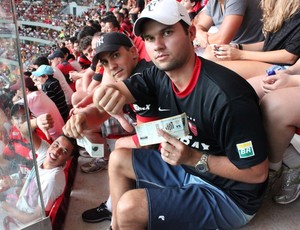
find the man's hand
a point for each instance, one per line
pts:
(108, 98)
(174, 151)
(45, 122)
(75, 125)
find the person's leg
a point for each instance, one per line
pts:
(255, 82)
(121, 179)
(246, 69)
(132, 210)
(281, 112)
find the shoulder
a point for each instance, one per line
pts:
(224, 79)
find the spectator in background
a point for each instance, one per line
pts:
(281, 92)
(281, 26)
(235, 21)
(76, 52)
(39, 103)
(124, 24)
(126, 20)
(59, 76)
(44, 80)
(59, 61)
(71, 59)
(137, 9)
(194, 6)
(70, 43)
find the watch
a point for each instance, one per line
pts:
(202, 165)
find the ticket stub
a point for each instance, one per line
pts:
(176, 126)
(93, 149)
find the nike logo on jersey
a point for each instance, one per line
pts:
(163, 110)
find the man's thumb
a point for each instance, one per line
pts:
(45, 131)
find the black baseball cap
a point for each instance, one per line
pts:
(56, 53)
(112, 41)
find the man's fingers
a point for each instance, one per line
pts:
(124, 123)
(166, 136)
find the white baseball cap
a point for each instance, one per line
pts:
(167, 12)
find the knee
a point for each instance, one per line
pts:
(132, 208)
(126, 205)
(119, 158)
(272, 104)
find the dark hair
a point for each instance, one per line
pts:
(85, 42)
(15, 109)
(42, 60)
(27, 73)
(73, 142)
(70, 57)
(113, 20)
(71, 39)
(29, 84)
(185, 26)
(65, 50)
(126, 12)
(86, 31)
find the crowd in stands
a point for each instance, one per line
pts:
(94, 54)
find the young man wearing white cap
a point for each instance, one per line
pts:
(217, 175)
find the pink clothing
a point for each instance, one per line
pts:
(39, 103)
(64, 84)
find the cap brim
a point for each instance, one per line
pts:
(108, 48)
(137, 28)
(51, 57)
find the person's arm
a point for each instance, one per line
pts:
(112, 97)
(231, 53)
(44, 122)
(294, 69)
(202, 23)
(21, 216)
(87, 78)
(227, 30)
(87, 119)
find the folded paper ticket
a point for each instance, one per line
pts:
(93, 149)
(176, 126)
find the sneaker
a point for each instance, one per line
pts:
(290, 189)
(95, 165)
(274, 177)
(96, 215)
(84, 153)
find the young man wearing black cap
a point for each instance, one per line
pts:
(59, 61)
(120, 60)
(213, 178)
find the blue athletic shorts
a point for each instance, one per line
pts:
(178, 200)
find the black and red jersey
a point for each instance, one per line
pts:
(223, 116)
